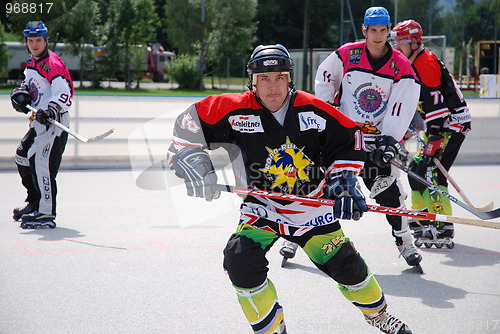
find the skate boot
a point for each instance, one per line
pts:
(438, 237)
(288, 250)
(19, 212)
(407, 250)
(38, 219)
(387, 323)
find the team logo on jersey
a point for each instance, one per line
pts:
(189, 124)
(34, 90)
(246, 123)
(309, 120)
(394, 67)
(287, 166)
(45, 67)
(355, 55)
(369, 127)
(370, 100)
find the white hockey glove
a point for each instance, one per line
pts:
(349, 200)
(20, 97)
(386, 148)
(195, 167)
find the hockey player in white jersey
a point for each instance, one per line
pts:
(375, 86)
(48, 87)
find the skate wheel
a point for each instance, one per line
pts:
(427, 244)
(52, 225)
(418, 243)
(24, 226)
(439, 245)
(450, 245)
(283, 262)
(418, 267)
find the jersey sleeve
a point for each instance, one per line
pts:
(329, 77)
(204, 123)
(61, 85)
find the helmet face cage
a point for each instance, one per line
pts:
(269, 58)
(407, 30)
(377, 16)
(36, 29)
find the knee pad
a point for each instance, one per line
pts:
(381, 184)
(245, 262)
(347, 267)
(388, 191)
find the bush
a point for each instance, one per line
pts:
(184, 71)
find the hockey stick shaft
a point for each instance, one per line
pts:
(371, 208)
(73, 133)
(447, 175)
(481, 214)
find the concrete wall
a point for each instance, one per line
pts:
(143, 127)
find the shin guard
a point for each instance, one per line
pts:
(262, 309)
(367, 296)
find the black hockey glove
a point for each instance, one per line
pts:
(386, 148)
(349, 200)
(433, 149)
(195, 167)
(20, 97)
(42, 116)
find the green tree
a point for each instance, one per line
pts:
(427, 13)
(79, 30)
(469, 21)
(47, 11)
(217, 31)
(122, 36)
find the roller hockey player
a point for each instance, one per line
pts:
(48, 87)
(447, 121)
(290, 142)
(374, 85)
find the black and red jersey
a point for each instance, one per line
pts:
(315, 140)
(440, 98)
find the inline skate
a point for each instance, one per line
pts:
(37, 219)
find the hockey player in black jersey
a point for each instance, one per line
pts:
(291, 142)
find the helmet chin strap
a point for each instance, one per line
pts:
(412, 52)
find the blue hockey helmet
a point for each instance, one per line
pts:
(377, 16)
(36, 29)
(270, 58)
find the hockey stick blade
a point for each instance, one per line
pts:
(485, 215)
(447, 175)
(73, 133)
(371, 208)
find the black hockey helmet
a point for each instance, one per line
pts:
(269, 58)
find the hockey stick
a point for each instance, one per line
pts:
(73, 133)
(443, 170)
(315, 202)
(481, 214)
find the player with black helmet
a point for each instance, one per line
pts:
(290, 142)
(47, 86)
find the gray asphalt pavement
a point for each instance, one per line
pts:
(129, 260)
